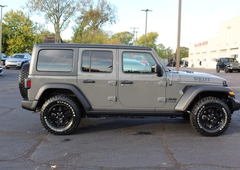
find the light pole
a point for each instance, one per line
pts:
(146, 10)
(134, 28)
(1, 6)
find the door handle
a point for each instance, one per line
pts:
(126, 82)
(88, 81)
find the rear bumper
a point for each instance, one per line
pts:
(29, 104)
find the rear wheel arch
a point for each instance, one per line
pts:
(49, 90)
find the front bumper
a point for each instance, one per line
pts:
(235, 104)
(13, 64)
(236, 68)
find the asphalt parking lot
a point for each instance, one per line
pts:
(112, 143)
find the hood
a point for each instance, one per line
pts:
(15, 59)
(232, 63)
(197, 78)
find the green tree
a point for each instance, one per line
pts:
(93, 17)
(122, 38)
(183, 52)
(151, 40)
(161, 50)
(4, 38)
(57, 12)
(91, 36)
(169, 52)
(20, 33)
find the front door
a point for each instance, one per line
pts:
(138, 86)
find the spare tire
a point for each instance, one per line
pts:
(22, 75)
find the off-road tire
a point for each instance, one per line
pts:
(226, 69)
(24, 72)
(217, 69)
(210, 116)
(60, 115)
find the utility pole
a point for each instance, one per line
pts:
(1, 6)
(146, 10)
(179, 33)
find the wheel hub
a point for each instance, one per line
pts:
(211, 120)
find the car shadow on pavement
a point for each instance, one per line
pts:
(133, 125)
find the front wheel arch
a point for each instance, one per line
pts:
(193, 94)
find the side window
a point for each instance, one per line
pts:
(55, 60)
(137, 62)
(97, 61)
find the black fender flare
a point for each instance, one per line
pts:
(76, 91)
(193, 91)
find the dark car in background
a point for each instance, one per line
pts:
(227, 64)
(17, 60)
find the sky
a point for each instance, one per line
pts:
(200, 19)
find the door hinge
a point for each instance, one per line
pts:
(114, 83)
(112, 98)
(161, 99)
(163, 83)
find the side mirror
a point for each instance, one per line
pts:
(158, 70)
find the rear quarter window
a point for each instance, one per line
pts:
(55, 60)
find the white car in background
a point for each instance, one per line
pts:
(17, 60)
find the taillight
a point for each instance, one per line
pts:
(28, 83)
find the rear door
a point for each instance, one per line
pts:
(97, 76)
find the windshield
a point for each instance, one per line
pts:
(230, 60)
(18, 56)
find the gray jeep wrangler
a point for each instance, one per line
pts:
(67, 82)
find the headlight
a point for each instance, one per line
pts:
(19, 63)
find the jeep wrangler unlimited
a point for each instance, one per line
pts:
(67, 82)
(227, 64)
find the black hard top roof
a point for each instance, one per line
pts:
(72, 45)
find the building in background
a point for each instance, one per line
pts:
(227, 44)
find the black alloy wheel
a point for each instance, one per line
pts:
(210, 116)
(60, 115)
